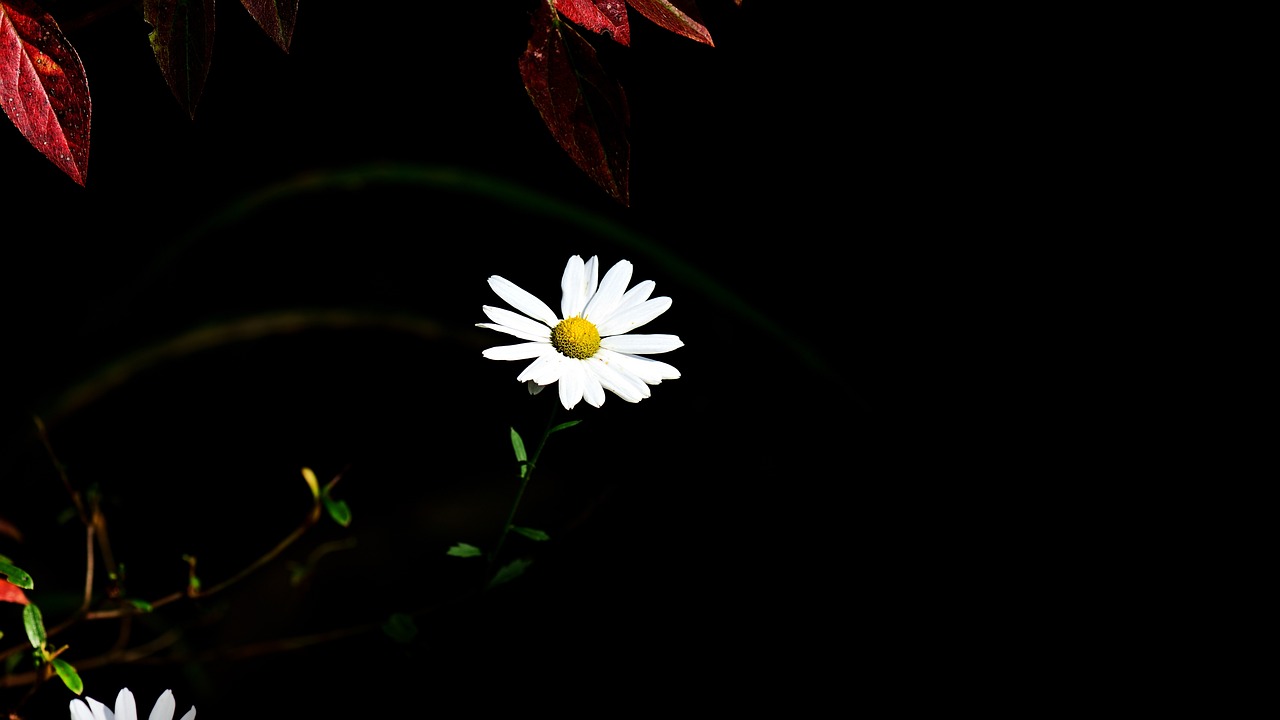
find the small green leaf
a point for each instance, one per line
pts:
(510, 571)
(401, 628)
(142, 605)
(69, 676)
(564, 426)
(34, 624)
(518, 445)
(338, 509)
(464, 550)
(15, 576)
(531, 533)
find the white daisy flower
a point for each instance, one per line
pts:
(126, 708)
(586, 348)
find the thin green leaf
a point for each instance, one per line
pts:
(142, 605)
(15, 576)
(464, 550)
(510, 571)
(531, 533)
(338, 509)
(69, 676)
(563, 426)
(518, 445)
(34, 624)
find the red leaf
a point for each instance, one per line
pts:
(607, 17)
(585, 110)
(182, 40)
(43, 88)
(275, 17)
(11, 593)
(685, 22)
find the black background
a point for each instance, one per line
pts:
(783, 518)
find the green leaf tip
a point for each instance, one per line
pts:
(16, 576)
(510, 571)
(563, 426)
(464, 550)
(531, 533)
(338, 510)
(69, 676)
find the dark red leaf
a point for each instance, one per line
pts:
(12, 593)
(275, 17)
(683, 20)
(43, 88)
(182, 40)
(607, 17)
(585, 110)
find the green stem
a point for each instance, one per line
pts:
(524, 483)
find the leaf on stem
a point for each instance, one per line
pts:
(464, 550)
(310, 476)
(531, 533)
(510, 571)
(338, 509)
(43, 87)
(607, 17)
(564, 426)
(517, 444)
(669, 15)
(182, 40)
(15, 575)
(69, 676)
(585, 110)
(275, 17)
(34, 624)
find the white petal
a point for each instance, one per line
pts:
(615, 379)
(523, 351)
(80, 711)
(572, 383)
(606, 299)
(546, 370)
(633, 317)
(592, 391)
(516, 322)
(522, 300)
(126, 708)
(578, 284)
(535, 388)
(191, 714)
(164, 707)
(641, 344)
(636, 295)
(100, 711)
(649, 370)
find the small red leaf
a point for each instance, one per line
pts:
(607, 17)
(12, 593)
(585, 110)
(275, 17)
(685, 22)
(182, 40)
(43, 88)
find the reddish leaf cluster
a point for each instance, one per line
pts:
(585, 110)
(45, 92)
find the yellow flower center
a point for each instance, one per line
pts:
(575, 337)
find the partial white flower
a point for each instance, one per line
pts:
(586, 348)
(126, 708)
